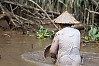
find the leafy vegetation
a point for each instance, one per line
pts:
(93, 33)
(43, 34)
(83, 10)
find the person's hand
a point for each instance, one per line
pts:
(54, 58)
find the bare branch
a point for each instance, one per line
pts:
(30, 7)
(93, 2)
(92, 11)
(6, 12)
(45, 13)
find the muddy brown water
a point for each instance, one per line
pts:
(22, 50)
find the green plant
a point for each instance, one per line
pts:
(93, 33)
(43, 34)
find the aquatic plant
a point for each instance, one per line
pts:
(93, 33)
(43, 33)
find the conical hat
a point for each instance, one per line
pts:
(66, 18)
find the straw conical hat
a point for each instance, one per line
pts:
(66, 18)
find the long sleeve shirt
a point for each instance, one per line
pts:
(67, 43)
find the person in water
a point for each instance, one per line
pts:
(66, 42)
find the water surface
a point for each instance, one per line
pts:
(13, 45)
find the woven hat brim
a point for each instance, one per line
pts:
(66, 18)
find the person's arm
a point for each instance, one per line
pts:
(54, 46)
(77, 40)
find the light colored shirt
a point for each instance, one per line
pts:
(67, 43)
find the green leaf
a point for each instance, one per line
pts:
(44, 33)
(86, 37)
(90, 33)
(89, 26)
(94, 31)
(41, 27)
(97, 35)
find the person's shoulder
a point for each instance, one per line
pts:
(77, 31)
(59, 32)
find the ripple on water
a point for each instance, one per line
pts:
(90, 58)
(37, 57)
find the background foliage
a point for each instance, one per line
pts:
(83, 10)
(76, 7)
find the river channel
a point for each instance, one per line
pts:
(22, 50)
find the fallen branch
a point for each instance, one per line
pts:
(92, 11)
(6, 13)
(91, 41)
(29, 7)
(2, 16)
(26, 20)
(37, 10)
(45, 13)
(19, 21)
(26, 6)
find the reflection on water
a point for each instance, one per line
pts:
(16, 45)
